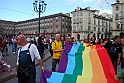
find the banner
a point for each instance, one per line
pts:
(82, 64)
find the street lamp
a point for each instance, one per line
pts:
(40, 9)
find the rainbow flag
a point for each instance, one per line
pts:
(81, 64)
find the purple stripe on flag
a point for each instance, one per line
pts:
(64, 58)
(44, 75)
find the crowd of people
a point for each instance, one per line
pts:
(35, 48)
(3, 65)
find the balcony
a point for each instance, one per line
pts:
(91, 31)
(116, 18)
(85, 31)
(108, 33)
(99, 32)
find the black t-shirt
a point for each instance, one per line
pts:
(113, 50)
(92, 42)
(40, 41)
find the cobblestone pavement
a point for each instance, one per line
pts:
(11, 57)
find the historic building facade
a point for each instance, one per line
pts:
(49, 25)
(87, 23)
(7, 27)
(118, 17)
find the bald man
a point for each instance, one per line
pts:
(57, 49)
(26, 60)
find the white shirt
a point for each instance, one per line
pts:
(33, 52)
(28, 39)
(36, 39)
(44, 41)
(50, 40)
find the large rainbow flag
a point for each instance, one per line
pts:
(81, 64)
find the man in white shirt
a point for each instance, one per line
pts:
(26, 59)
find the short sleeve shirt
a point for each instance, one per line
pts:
(33, 52)
(56, 46)
(113, 50)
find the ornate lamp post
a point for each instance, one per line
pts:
(40, 7)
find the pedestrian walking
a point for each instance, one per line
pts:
(41, 45)
(5, 49)
(114, 51)
(57, 49)
(25, 65)
(14, 45)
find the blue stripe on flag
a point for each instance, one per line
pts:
(71, 59)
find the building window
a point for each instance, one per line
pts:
(66, 29)
(117, 16)
(56, 17)
(42, 20)
(74, 28)
(81, 28)
(94, 22)
(118, 26)
(77, 20)
(63, 17)
(74, 21)
(81, 20)
(89, 13)
(66, 23)
(56, 26)
(42, 25)
(98, 22)
(51, 19)
(94, 28)
(89, 28)
(117, 7)
(56, 23)
(98, 30)
(102, 29)
(74, 14)
(80, 13)
(78, 28)
(77, 14)
(62, 23)
(63, 30)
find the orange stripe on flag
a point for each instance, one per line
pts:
(98, 73)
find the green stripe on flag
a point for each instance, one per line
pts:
(68, 78)
(78, 60)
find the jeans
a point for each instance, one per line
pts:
(14, 47)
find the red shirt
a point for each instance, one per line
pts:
(1, 44)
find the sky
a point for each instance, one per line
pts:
(20, 10)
